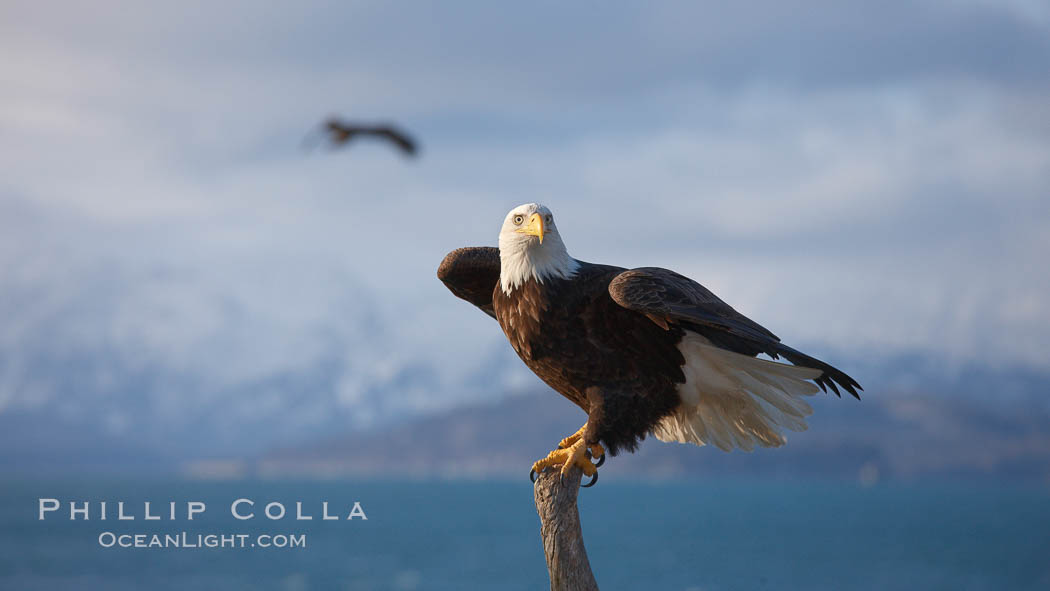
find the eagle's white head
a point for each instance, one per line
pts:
(530, 246)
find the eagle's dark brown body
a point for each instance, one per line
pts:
(615, 364)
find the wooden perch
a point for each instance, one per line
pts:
(560, 528)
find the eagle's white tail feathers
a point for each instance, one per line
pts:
(732, 400)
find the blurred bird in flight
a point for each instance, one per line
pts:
(339, 133)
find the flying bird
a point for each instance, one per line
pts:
(641, 351)
(341, 133)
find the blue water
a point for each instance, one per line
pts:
(466, 535)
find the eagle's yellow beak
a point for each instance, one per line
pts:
(535, 227)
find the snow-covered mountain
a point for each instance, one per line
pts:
(171, 363)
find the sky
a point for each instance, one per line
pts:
(864, 179)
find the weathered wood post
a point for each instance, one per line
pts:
(560, 528)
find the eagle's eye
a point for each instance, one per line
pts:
(518, 219)
(550, 218)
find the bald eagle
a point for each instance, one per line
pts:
(641, 351)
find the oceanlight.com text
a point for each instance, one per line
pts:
(190, 541)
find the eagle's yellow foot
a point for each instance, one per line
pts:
(575, 454)
(597, 451)
(571, 439)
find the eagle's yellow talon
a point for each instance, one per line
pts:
(575, 454)
(571, 439)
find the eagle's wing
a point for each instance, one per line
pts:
(399, 138)
(669, 298)
(471, 273)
